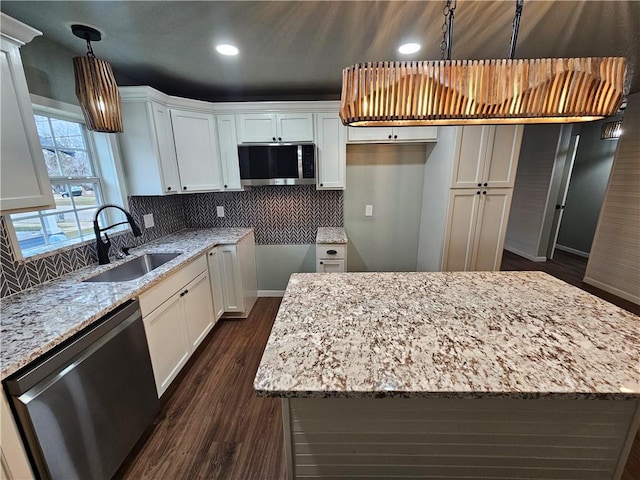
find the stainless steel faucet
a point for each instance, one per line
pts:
(102, 247)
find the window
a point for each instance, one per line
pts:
(76, 183)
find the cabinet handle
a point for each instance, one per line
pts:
(184, 293)
(168, 188)
(485, 184)
(184, 188)
(331, 252)
(484, 193)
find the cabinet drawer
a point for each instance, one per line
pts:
(331, 251)
(155, 296)
(329, 266)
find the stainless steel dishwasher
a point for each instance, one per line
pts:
(83, 408)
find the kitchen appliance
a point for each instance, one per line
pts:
(82, 408)
(277, 164)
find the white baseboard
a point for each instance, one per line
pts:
(579, 253)
(271, 293)
(525, 255)
(616, 291)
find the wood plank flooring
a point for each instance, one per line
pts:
(212, 426)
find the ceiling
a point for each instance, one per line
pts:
(297, 50)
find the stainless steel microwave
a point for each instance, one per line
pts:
(277, 164)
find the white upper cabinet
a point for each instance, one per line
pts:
(275, 127)
(197, 151)
(24, 181)
(487, 156)
(229, 152)
(148, 151)
(331, 146)
(392, 134)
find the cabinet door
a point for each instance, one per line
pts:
(294, 127)
(491, 229)
(330, 266)
(198, 309)
(369, 134)
(502, 156)
(24, 181)
(197, 151)
(168, 341)
(332, 153)
(471, 155)
(257, 127)
(461, 223)
(231, 281)
(215, 279)
(166, 148)
(229, 152)
(415, 134)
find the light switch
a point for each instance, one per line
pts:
(220, 211)
(148, 220)
(368, 210)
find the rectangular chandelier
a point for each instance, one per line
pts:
(498, 91)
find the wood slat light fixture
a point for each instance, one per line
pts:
(96, 87)
(498, 91)
(611, 130)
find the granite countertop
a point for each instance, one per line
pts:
(448, 335)
(331, 235)
(35, 321)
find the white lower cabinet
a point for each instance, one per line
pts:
(331, 257)
(177, 315)
(215, 279)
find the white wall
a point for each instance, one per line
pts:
(614, 262)
(276, 263)
(390, 178)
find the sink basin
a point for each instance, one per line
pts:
(134, 268)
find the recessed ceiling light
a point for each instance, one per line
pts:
(408, 48)
(226, 49)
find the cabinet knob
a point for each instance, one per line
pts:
(479, 184)
(184, 188)
(395, 136)
(279, 139)
(484, 193)
(331, 252)
(322, 184)
(321, 263)
(485, 184)
(389, 136)
(478, 192)
(273, 138)
(169, 189)
(211, 254)
(184, 293)
(225, 186)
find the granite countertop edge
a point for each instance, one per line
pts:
(25, 325)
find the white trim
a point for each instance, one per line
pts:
(17, 31)
(579, 253)
(528, 256)
(55, 107)
(271, 293)
(615, 291)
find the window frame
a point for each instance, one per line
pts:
(104, 156)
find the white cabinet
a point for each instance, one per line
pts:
(487, 156)
(229, 152)
(215, 279)
(331, 152)
(177, 315)
(392, 134)
(148, 149)
(331, 257)
(239, 280)
(197, 151)
(24, 181)
(476, 228)
(275, 127)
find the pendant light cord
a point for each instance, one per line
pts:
(90, 53)
(515, 28)
(447, 30)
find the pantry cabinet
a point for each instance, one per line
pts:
(331, 152)
(487, 156)
(275, 127)
(25, 184)
(392, 134)
(177, 315)
(196, 144)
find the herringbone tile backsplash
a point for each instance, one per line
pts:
(280, 216)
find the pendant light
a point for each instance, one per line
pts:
(96, 86)
(611, 130)
(496, 91)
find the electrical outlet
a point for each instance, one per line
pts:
(148, 220)
(220, 211)
(368, 210)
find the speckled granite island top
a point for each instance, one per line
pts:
(35, 321)
(331, 235)
(448, 335)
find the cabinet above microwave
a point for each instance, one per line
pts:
(277, 164)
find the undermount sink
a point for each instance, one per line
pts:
(134, 268)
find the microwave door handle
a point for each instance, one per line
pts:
(300, 171)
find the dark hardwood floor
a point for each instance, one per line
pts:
(212, 425)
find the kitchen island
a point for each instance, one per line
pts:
(452, 375)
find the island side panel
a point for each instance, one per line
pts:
(458, 438)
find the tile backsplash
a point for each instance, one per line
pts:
(280, 216)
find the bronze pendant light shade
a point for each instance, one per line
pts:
(96, 87)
